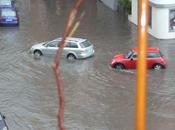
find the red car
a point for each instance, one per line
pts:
(155, 59)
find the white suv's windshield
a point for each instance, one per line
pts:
(85, 44)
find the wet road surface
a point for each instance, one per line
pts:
(96, 96)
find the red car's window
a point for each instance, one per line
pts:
(154, 54)
(134, 55)
(129, 54)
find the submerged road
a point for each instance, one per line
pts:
(96, 96)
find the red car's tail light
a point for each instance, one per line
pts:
(17, 18)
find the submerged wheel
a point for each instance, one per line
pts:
(71, 57)
(37, 53)
(119, 66)
(157, 67)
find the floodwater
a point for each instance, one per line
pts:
(96, 96)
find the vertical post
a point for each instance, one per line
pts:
(141, 65)
(70, 28)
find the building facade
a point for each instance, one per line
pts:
(161, 18)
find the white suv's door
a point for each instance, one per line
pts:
(51, 48)
(70, 48)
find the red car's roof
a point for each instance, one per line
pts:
(150, 49)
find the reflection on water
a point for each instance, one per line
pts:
(97, 97)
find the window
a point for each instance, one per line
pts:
(8, 13)
(52, 44)
(85, 44)
(134, 56)
(128, 55)
(153, 54)
(172, 20)
(5, 3)
(71, 45)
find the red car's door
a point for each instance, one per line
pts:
(152, 58)
(133, 61)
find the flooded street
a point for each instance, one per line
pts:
(96, 96)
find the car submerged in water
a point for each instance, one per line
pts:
(7, 3)
(3, 125)
(155, 59)
(75, 48)
(9, 16)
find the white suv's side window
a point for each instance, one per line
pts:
(71, 45)
(52, 44)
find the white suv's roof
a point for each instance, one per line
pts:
(73, 39)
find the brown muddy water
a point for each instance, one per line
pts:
(96, 96)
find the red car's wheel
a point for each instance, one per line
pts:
(119, 66)
(157, 67)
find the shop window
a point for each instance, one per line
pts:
(172, 20)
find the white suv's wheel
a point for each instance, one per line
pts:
(37, 53)
(71, 57)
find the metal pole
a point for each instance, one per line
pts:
(141, 65)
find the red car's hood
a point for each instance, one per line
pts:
(119, 56)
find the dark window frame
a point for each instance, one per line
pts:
(150, 16)
(172, 20)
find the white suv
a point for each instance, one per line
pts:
(75, 48)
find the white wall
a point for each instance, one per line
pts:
(160, 21)
(160, 24)
(134, 11)
(111, 3)
(164, 2)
